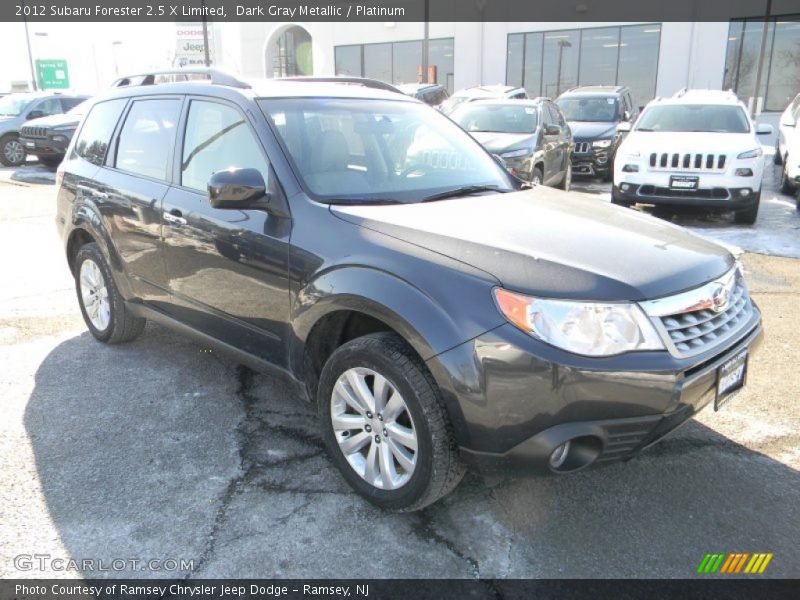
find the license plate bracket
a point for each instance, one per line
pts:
(731, 378)
(684, 182)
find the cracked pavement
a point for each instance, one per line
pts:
(161, 449)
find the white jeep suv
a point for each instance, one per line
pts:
(698, 148)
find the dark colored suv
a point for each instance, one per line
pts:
(593, 113)
(530, 136)
(49, 137)
(363, 245)
(430, 93)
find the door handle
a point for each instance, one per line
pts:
(175, 217)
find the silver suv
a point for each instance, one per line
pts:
(16, 109)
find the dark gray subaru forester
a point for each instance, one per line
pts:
(360, 243)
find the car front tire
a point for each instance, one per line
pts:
(384, 424)
(787, 185)
(749, 215)
(102, 306)
(12, 152)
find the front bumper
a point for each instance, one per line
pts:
(514, 400)
(45, 146)
(723, 198)
(594, 161)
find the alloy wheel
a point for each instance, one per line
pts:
(94, 295)
(14, 151)
(373, 427)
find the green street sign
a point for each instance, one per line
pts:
(52, 74)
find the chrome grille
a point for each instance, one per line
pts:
(702, 319)
(676, 161)
(34, 132)
(581, 147)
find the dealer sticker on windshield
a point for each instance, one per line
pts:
(731, 376)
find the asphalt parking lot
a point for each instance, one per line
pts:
(160, 449)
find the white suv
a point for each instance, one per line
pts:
(698, 148)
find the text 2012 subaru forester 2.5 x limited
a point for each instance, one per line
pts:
(360, 242)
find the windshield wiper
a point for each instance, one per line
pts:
(463, 191)
(362, 202)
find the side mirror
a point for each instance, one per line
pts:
(238, 188)
(36, 114)
(552, 130)
(763, 129)
(624, 127)
(626, 116)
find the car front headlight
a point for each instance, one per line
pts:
(587, 328)
(601, 143)
(754, 153)
(516, 153)
(65, 128)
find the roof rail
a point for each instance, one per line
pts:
(363, 81)
(681, 92)
(216, 76)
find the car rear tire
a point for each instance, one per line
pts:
(787, 185)
(537, 178)
(384, 424)
(51, 161)
(102, 306)
(748, 216)
(12, 152)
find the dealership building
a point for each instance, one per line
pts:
(652, 59)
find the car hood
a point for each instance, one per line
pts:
(591, 130)
(699, 141)
(54, 121)
(555, 244)
(496, 142)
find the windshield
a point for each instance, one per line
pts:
(594, 108)
(358, 151)
(452, 103)
(80, 109)
(13, 105)
(694, 117)
(499, 118)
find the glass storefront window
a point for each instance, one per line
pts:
(397, 62)
(548, 63)
(780, 65)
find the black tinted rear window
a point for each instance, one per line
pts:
(95, 134)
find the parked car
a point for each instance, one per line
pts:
(432, 94)
(530, 136)
(698, 148)
(436, 314)
(16, 109)
(786, 129)
(48, 137)
(594, 114)
(483, 92)
(790, 174)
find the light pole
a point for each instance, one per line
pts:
(114, 45)
(28, 44)
(561, 45)
(425, 40)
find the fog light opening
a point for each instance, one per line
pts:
(624, 187)
(575, 454)
(745, 192)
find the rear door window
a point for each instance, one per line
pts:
(95, 135)
(217, 137)
(147, 137)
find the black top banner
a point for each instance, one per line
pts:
(392, 10)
